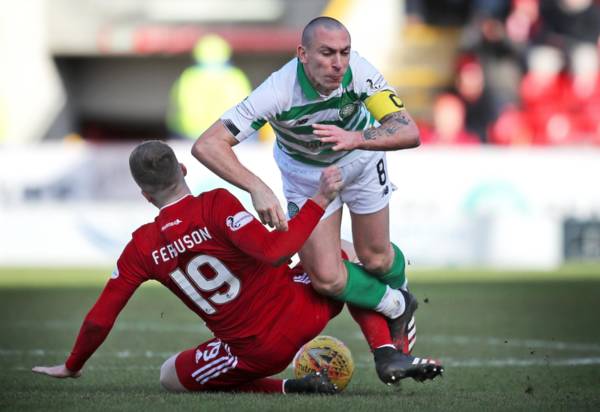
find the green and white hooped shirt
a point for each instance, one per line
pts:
(288, 101)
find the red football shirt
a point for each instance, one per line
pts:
(215, 256)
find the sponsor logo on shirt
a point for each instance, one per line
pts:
(170, 224)
(373, 86)
(239, 220)
(303, 278)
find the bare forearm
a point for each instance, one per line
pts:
(217, 155)
(397, 131)
(214, 150)
(224, 163)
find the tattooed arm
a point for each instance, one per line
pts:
(396, 131)
(398, 127)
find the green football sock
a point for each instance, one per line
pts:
(396, 276)
(361, 288)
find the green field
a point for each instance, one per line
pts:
(509, 341)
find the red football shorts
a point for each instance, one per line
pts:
(218, 365)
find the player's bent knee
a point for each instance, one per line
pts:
(168, 376)
(376, 263)
(329, 288)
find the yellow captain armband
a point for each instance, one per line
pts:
(383, 103)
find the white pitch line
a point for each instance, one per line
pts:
(201, 331)
(512, 342)
(502, 363)
(361, 363)
(125, 354)
(525, 343)
(102, 368)
(514, 362)
(148, 326)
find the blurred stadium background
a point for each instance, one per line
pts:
(507, 95)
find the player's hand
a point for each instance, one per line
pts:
(329, 186)
(341, 139)
(268, 208)
(58, 371)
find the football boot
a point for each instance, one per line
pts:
(315, 382)
(392, 366)
(403, 327)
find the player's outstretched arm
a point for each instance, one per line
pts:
(214, 150)
(57, 371)
(277, 247)
(95, 327)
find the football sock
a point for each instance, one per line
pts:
(396, 276)
(392, 303)
(361, 288)
(373, 326)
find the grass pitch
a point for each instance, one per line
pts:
(509, 341)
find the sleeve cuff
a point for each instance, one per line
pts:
(313, 207)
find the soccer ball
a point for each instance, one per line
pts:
(325, 352)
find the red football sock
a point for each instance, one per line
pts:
(373, 325)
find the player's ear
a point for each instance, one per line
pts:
(301, 53)
(183, 169)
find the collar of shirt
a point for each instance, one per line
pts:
(175, 201)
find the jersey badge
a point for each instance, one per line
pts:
(293, 209)
(115, 274)
(239, 220)
(348, 110)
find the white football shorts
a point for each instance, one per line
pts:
(367, 188)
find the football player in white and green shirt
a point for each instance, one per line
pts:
(328, 106)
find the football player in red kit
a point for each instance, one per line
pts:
(230, 270)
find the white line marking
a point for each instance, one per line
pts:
(147, 326)
(509, 362)
(365, 362)
(119, 355)
(508, 342)
(514, 362)
(448, 363)
(101, 368)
